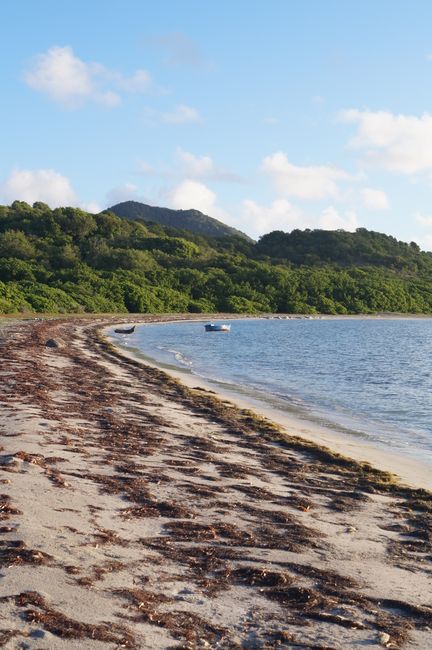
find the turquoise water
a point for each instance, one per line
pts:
(369, 378)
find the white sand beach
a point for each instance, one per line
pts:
(138, 512)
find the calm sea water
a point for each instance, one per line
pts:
(369, 378)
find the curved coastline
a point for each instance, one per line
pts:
(409, 471)
(154, 495)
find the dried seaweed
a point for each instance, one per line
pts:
(15, 552)
(67, 628)
(421, 614)
(261, 577)
(191, 531)
(7, 635)
(297, 598)
(202, 543)
(181, 625)
(6, 509)
(153, 508)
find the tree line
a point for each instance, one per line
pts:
(66, 260)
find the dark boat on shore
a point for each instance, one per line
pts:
(127, 330)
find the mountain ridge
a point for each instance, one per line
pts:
(193, 220)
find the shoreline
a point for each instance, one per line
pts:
(139, 513)
(410, 471)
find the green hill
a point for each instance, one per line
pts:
(192, 220)
(66, 260)
(360, 248)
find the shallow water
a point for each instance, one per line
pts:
(367, 377)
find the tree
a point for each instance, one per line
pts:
(14, 243)
(75, 222)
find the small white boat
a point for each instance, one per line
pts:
(212, 327)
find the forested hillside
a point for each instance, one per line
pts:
(360, 248)
(66, 260)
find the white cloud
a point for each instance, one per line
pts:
(145, 167)
(313, 183)
(332, 219)
(202, 167)
(374, 199)
(109, 99)
(192, 194)
(424, 242)
(400, 143)
(92, 206)
(69, 80)
(195, 165)
(424, 220)
(44, 185)
(258, 219)
(280, 215)
(60, 74)
(125, 192)
(252, 217)
(136, 83)
(181, 115)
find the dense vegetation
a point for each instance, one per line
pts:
(66, 260)
(192, 220)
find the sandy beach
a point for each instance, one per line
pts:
(139, 512)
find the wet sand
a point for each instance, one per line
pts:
(138, 512)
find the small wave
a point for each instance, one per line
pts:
(180, 357)
(345, 375)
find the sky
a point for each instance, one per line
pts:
(267, 115)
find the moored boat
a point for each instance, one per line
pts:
(127, 330)
(213, 327)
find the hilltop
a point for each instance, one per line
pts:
(192, 220)
(66, 260)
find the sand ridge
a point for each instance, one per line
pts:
(139, 513)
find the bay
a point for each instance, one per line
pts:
(369, 378)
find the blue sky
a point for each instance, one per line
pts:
(267, 115)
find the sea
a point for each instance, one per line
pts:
(369, 378)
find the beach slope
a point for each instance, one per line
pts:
(139, 513)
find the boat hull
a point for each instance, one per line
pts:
(211, 327)
(129, 330)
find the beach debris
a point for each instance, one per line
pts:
(384, 639)
(52, 343)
